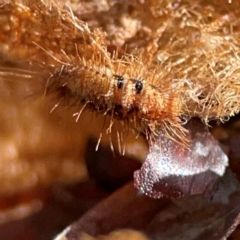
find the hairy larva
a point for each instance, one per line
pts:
(120, 91)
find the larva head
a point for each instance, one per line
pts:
(157, 108)
(132, 90)
(150, 102)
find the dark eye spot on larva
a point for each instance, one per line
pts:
(138, 86)
(120, 81)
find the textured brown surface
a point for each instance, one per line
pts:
(186, 53)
